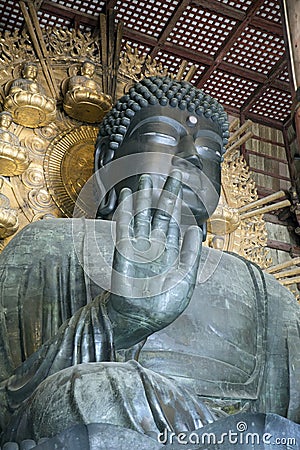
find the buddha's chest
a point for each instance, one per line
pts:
(217, 344)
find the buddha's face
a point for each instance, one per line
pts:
(88, 69)
(5, 121)
(176, 139)
(30, 72)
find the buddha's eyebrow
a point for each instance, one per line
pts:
(178, 127)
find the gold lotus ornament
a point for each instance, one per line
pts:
(27, 102)
(83, 96)
(14, 158)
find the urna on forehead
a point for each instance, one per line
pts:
(166, 92)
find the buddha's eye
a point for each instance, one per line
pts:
(205, 145)
(160, 138)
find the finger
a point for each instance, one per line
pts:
(123, 268)
(183, 278)
(124, 215)
(167, 201)
(190, 253)
(173, 235)
(172, 244)
(168, 246)
(142, 218)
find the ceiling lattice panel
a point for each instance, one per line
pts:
(235, 46)
(230, 89)
(273, 103)
(270, 10)
(256, 50)
(149, 17)
(284, 76)
(46, 19)
(201, 30)
(11, 17)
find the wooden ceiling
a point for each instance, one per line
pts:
(236, 47)
(235, 50)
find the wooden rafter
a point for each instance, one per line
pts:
(69, 13)
(32, 23)
(222, 8)
(182, 5)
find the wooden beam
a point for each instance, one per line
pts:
(284, 247)
(269, 174)
(277, 124)
(220, 8)
(232, 110)
(110, 4)
(252, 75)
(273, 218)
(69, 13)
(242, 72)
(281, 86)
(267, 141)
(267, 25)
(39, 46)
(139, 37)
(263, 155)
(181, 7)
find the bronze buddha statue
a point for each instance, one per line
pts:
(210, 333)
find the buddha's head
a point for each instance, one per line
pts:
(30, 71)
(178, 127)
(88, 69)
(5, 120)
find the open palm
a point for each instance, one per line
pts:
(153, 275)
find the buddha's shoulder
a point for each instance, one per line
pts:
(222, 268)
(59, 236)
(231, 276)
(58, 227)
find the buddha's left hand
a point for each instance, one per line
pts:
(153, 275)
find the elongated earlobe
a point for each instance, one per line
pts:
(103, 156)
(204, 231)
(107, 205)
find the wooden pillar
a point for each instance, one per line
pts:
(291, 13)
(291, 20)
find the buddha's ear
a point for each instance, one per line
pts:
(204, 231)
(107, 205)
(104, 155)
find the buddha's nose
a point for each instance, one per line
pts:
(186, 151)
